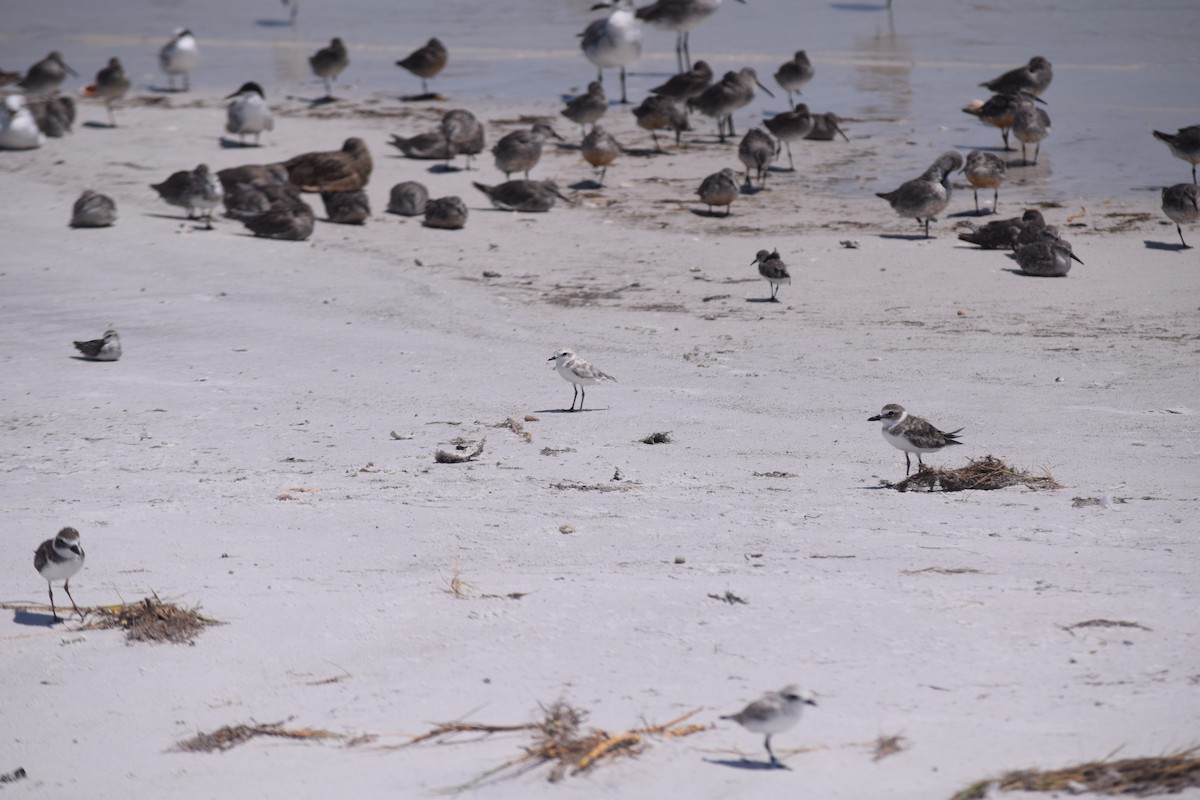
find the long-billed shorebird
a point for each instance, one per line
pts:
(534, 196)
(112, 84)
(792, 75)
(328, 62)
(1184, 144)
(613, 42)
(686, 85)
(985, 171)
(1047, 256)
(825, 127)
(47, 75)
(680, 16)
(179, 57)
(426, 62)
(927, 196)
(721, 100)
(791, 126)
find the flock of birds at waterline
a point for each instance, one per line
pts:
(268, 198)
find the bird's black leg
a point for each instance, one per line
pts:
(976, 201)
(1004, 134)
(67, 587)
(574, 397)
(53, 610)
(1037, 151)
(687, 52)
(770, 752)
(907, 464)
(582, 395)
(1181, 241)
(624, 101)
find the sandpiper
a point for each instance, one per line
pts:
(328, 62)
(686, 85)
(520, 151)
(600, 149)
(197, 190)
(735, 90)
(757, 151)
(248, 113)
(431, 146)
(927, 196)
(47, 75)
(1049, 256)
(449, 213)
(1003, 234)
(106, 348)
(791, 126)
(345, 170)
(93, 210)
(792, 75)
(679, 16)
(985, 171)
(292, 222)
(578, 373)
(999, 112)
(1179, 204)
(58, 559)
(426, 62)
(464, 134)
(523, 195)
(658, 112)
(1033, 78)
(825, 127)
(1030, 125)
(347, 208)
(18, 128)
(408, 199)
(774, 712)
(719, 189)
(771, 267)
(587, 107)
(912, 434)
(112, 84)
(1184, 144)
(614, 41)
(179, 57)
(55, 114)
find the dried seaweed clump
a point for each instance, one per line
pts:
(230, 736)
(152, 620)
(984, 473)
(1139, 777)
(444, 457)
(657, 438)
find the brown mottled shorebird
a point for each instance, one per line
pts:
(328, 62)
(658, 112)
(426, 62)
(408, 199)
(985, 171)
(292, 222)
(757, 151)
(197, 190)
(522, 195)
(47, 75)
(1032, 78)
(345, 170)
(58, 559)
(112, 84)
(791, 126)
(792, 75)
(1184, 144)
(93, 210)
(449, 213)
(686, 85)
(1003, 234)
(55, 114)
(771, 267)
(587, 107)
(719, 189)
(600, 149)
(825, 127)
(1030, 125)
(999, 112)
(520, 151)
(464, 134)
(430, 146)
(1180, 205)
(735, 90)
(927, 196)
(347, 208)
(679, 16)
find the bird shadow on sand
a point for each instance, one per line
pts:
(316, 102)
(178, 218)
(103, 126)
(745, 763)
(1018, 272)
(587, 184)
(567, 410)
(165, 89)
(985, 149)
(273, 23)
(704, 212)
(568, 146)
(761, 300)
(90, 360)
(1169, 246)
(35, 620)
(426, 97)
(750, 190)
(983, 212)
(236, 144)
(907, 237)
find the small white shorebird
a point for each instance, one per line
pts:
(774, 712)
(179, 57)
(107, 348)
(18, 127)
(614, 41)
(248, 113)
(771, 267)
(58, 559)
(578, 373)
(912, 434)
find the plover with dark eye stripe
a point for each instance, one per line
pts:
(578, 373)
(912, 434)
(107, 348)
(58, 559)
(774, 712)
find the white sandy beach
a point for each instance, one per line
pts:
(265, 449)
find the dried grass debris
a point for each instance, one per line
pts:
(514, 425)
(590, 487)
(444, 457)
(1106, 623)
(152, 620)
(731, 598)
(983, 473)
(230, 736)
(941, 571)
(14, 776)
(888, 746)
(1139, 777)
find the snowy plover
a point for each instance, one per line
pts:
(105, 349)
(578, 373)
(58, 559)
(912, 434)
(772, 713)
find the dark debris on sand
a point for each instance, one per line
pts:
(152, 620)
(984, 473)
(1139, 777)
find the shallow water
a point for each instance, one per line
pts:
(1120, 69)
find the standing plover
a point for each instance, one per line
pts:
(520, 151)
(771, 267)
(47, 75)
(248, 113)
(1184, 144)
(179, 57)
(58, 559)
(587, 107)
(197, 190)
(792, 126)
(93, 210)
(1033, 78)
(600, 149)
(686, 85)
(112, 84)
(774, 712)
(757, 151)
(719, 189)
(793, 74)
(614, 41)
(927, 196)
(328, 62)
(1179, 203)
(578, 373)
(426, 62)
(912, 434)
(679, 16)
(107, 348)
(985, 171)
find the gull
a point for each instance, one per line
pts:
(614, 41)
(179, 57)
